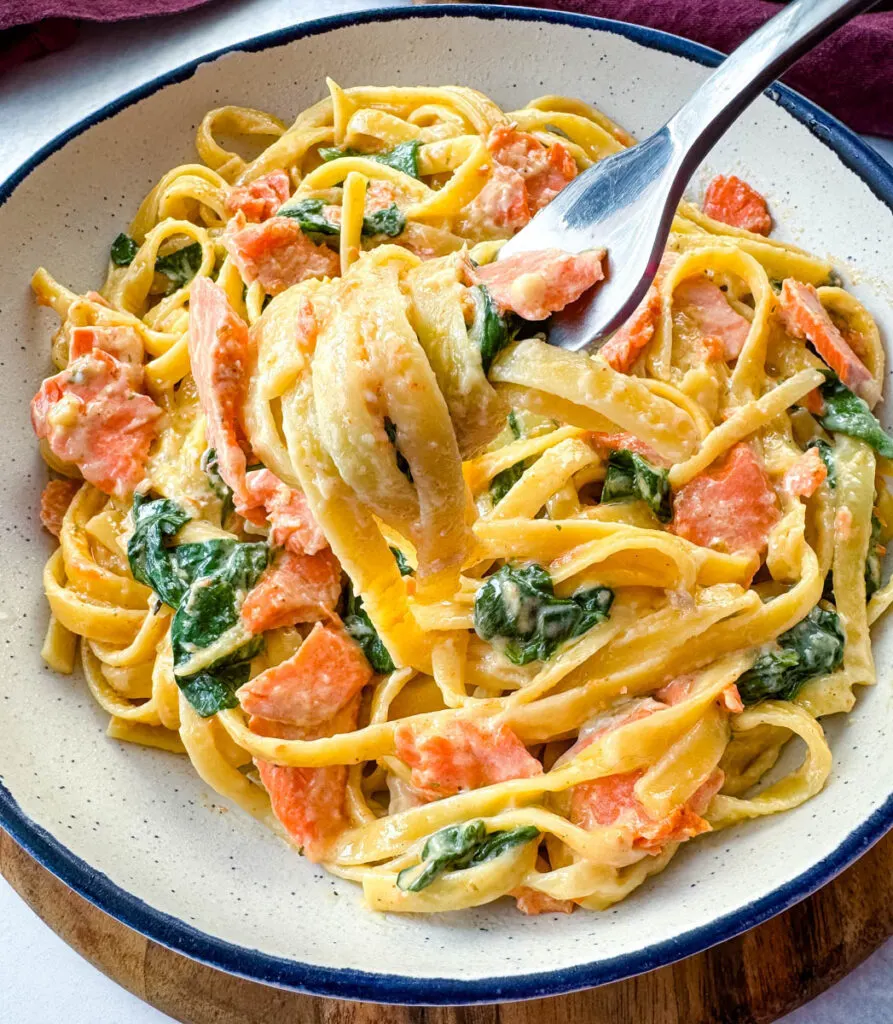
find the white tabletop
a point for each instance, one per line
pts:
(41, 979)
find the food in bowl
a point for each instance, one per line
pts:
(459, 614)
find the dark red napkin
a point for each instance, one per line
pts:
(850, 74)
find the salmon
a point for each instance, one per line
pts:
(292, 524)
(310, 803)
(124, 343)
(804, 317)
(805, 476)
(703, 301)
(731, 507)
(295, 588)
(261, 198)
(313, 685)
(500, 209)
(535, 284)
(94, 415)
(544, 170)
(681, 688)
(624, 347)
(277, 253)
(462, 754)
(380, 195)
(532, 901)
(54, 502)
(220, 355)
(626, 442)
(732, 201)
(813, 402)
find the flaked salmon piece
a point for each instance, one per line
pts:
(220, 354)
(277, 253)
(296, 588)
(54, 502)
(308, 689)
(309, 802)
(731, 507)
(704, 302)
(500, 209)
(292, 524)
(626, 442)
(535, 284)
(462, 754)
(380, 195)
(261, 198)
(813, 402)
(124, 343)
(732, 201)
(805, 476)
(545, 169)
(532, 901)
(804, 316)
(681, 688)
(93, 415)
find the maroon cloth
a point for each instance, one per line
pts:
(27, 12)
(850, 74)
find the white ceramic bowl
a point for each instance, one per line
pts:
(136, 831)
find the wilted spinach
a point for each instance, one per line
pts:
(873, 560)
(630, 477)
(846, 413)
(309, 215)
(123, 250)
(151, 559)
(180, 267)
(403, 157)
(210, 466)
(503, 482)
(390, 428)
(490, 331)
(358, 625)
(388, 221)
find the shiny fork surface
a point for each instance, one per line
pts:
(626, 202)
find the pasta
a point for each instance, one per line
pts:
(458, 614)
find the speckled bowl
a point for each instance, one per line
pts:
(136, 831)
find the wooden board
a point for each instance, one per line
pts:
(753, 979)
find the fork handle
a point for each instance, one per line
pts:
(698, 125)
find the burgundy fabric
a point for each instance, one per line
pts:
(850, 74)
(27, 12)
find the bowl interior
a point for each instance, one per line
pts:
(144, 819)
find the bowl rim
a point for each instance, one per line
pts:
(349, 983)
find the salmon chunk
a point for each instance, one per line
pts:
(261, 198)
(500, 209)
(93, 414)
(732, 201)
(54, 502)
(804, 317)
(124, 343)
(277, 253)
(544, 170)
(292, 524)
(532, 901)
(296, 588)
(313, 685)
(462, 755)
(805, 476)
(682, 687)
(730, 508)
(535, 284)
(703, 301)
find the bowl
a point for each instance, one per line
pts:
(137, 832)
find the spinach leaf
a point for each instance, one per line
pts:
(814, 647)
(489, 330)
(309, 215)
(461, 846)
(826, 452)
(180, 267)
(405, 568)
(518, 604)
(514, 425)
(629, 477)
(390, 429)
(359, 626)
(210, 692)
(389, 221)
(210, 466)
(123, 250)
(503, 482)
(151, 560)
(403, 157)
(873, 561)
(846, 413)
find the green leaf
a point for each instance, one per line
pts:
(180, 267)
(846, 413)
(629, 477)
(389, 221)
(826, 452)
(390, 428)
(518, 605)
(461, 846)
(873, 561)
(151, 560)
(359, 626)
(210, 466)
(123, 250)
(403, 157)
(309, 215)
(503, 482)
(210, 692)
(514, 425)
(814, 647)
(405, 568)
(489, 330)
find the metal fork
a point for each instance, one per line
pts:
(626, 202)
